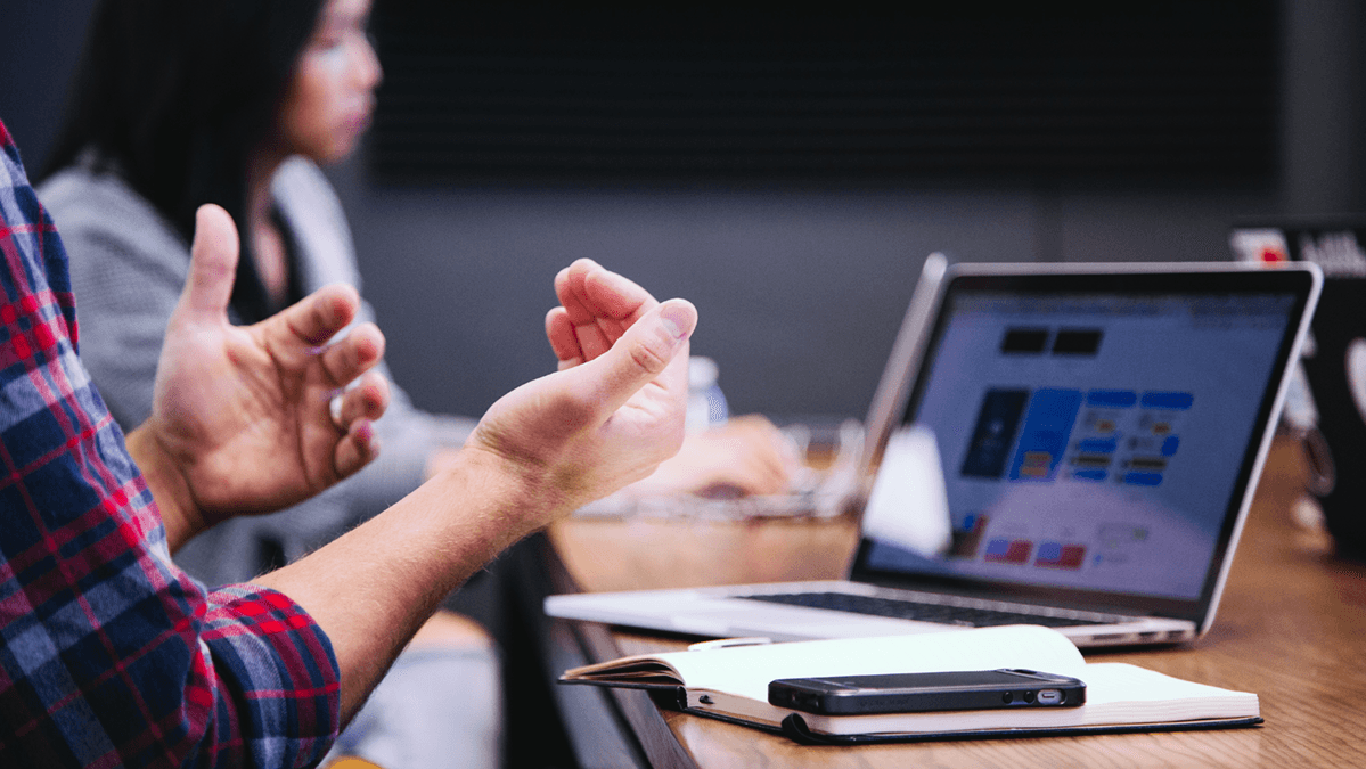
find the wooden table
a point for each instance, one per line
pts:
(1291, 628)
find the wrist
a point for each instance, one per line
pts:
(174, 499)
(523, 492)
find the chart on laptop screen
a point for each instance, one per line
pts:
(1081, 436)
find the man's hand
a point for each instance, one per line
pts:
(242, 418)
(616, 407)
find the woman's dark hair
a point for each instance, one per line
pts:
(176, 95)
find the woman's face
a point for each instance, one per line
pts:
(328, 104)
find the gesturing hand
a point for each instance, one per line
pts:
(616, 407)
(242, 414)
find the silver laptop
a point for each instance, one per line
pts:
(1100, 430)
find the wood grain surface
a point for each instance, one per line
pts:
(1291, 628)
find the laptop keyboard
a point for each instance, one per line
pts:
(923, 612)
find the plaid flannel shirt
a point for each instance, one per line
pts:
(109, 655)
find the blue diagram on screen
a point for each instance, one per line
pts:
(1123, 436)
(1043, 440)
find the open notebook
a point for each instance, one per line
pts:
(731, 683)
(1100, 429)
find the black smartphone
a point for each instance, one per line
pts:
(920, 692)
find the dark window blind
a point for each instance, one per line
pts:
(1180, 92)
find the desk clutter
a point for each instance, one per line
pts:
(732, 683)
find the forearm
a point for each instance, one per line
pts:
(372, 588)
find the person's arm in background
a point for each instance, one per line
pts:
(746, 456)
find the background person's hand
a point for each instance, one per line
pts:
(243, 419)
(746, 456)
(616, 407)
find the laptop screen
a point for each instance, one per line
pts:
(1097, 431)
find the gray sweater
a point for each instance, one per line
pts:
(128, 266)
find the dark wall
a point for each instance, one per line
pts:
(800, 291)
(800, 294)
(1324, 115)
(844, 94)
(39, 44)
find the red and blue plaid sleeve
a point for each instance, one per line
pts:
(109, 655)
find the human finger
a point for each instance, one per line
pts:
(357, 448)
(612, 301)
(769, 442)
(774, 476)
(753, 471)
(213, 263)
(565, 344)
(778, 466)
(610, 295)
(584, 320)
(317, 317)
(642, 354)
(368, 399)
(353, 354)
(569, 290)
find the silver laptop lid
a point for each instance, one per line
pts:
(1100, 427)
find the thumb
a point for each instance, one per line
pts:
(643, 353)
(213, 263)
